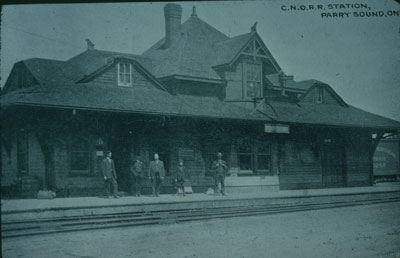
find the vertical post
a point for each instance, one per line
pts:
(233, 166)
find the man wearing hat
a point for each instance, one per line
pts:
(138, 172)
(180, 178)
(220, 168)
(109, 174)
(156, 174)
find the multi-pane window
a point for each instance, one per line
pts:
(80, 156)
(254, 158)
(253, 80)
(124, 74)
(22, 152)
(320, 95)
(263, 157)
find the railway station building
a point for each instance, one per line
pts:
(192, 94)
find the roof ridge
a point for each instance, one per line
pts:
(233, 38)
(116, 52)
(196, 18)
(39, 58)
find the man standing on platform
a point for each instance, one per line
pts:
(138, 173)
(109, 174)
(156, 174)
(180, 178)
(220, 168)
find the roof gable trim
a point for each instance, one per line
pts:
(256, 45)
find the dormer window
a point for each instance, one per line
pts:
(124, 74)
(253, 80)
(320, 95)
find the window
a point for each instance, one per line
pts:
(253, 80)
(254, 159)
(320, 95)
(22, 152)
(245, 157)
(263, 157)
(124, 74)
(80, 156)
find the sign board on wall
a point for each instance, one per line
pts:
(276, 128)
(186, 153)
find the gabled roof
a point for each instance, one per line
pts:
(193, 53)
(86, 63)
(41, 68)
(301, 85)
(113, 61)
(326, 87)
(273, 80)
(37, 68)
(199, 48)
(239, 43)
(226, 50)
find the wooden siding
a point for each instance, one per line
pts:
(109, 77)
(300, 166)
(9, 165)
(70, 183)
(358, 163)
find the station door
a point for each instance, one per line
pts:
(332, 166)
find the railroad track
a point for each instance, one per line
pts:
(23, 228)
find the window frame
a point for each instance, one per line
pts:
(255, 154)
(89, 152)
(319, 98)
(123, 74)
(252, 163)
(251, 68)
(22, 158)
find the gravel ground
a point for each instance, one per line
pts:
(363, 231)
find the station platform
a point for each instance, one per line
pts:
(19, 209)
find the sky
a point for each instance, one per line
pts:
(358, 56)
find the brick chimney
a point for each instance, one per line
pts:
(173, 14)
(283, 78)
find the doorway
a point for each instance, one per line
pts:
(332, 165)
(121, 154)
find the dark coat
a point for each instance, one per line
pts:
(156, 168)
(108, 169)
(138, 168)
(220, 168)
(180, 172)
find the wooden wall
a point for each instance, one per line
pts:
(30, 182)
(300, 165)
(358, 159)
